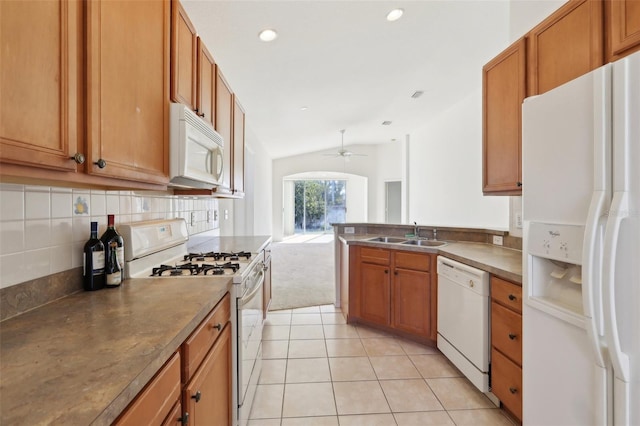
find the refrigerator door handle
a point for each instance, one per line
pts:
(592, 275)
(619, 211)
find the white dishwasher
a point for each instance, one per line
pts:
(463, 319)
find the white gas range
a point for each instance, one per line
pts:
(162, 249)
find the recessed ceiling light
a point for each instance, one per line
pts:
(304, 108)
(386, 123)
(395, 14)
(268, 35)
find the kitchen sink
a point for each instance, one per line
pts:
(387, 240)
(424, 243)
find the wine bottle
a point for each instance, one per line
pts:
(93, 272)
(113, 272)
(112, 235)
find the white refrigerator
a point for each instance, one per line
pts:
(581, 250)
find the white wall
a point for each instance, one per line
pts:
(318, 162)
(445, 172)
(389, 169)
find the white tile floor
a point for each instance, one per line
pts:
(318, 370)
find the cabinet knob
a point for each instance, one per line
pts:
(395, 272)
(519, 184)
(101, 163)
(184, 419)
(78, 158)
(218, 326)
(513, 390)
(386, 271)
(201, 114)
(512, 297)
(471, 284)
(512, 336)
(197, 396)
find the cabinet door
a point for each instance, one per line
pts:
(623, 28)
(224, 112)
(206, 101)
(158, 399)
(238, 147)
(411, 296)
(207, 397)
(184, 51)
(375, 293)
(504, 90)
(128, 89)
(40, 79)
(566, 45)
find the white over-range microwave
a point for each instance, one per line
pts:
(196, 159)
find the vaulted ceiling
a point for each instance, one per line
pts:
(347, 65)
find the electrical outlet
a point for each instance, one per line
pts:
(226, 214)
(497, 240)
(193, 218)
(349, 230)
(209, 216)
(519, 220)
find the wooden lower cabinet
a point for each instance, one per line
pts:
(392, 289)
(194, 387)
(156, 403)
(506, 344)
(207, 396)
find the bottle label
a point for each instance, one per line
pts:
(114, 278)
(98, 262)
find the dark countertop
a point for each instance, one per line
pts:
(500, 261)
(82, 359)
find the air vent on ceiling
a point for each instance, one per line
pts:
(386, 123)
(417, 94)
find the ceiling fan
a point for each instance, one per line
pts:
(345, 153)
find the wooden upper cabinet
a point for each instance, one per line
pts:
(238, 147)
(224, 117)
(128, 89)
(566, 45)
(40, 76)
(206, 85)
(623, 28)
(504, 90)
(184, 51)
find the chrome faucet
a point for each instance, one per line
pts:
(416, 230)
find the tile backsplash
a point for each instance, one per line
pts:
(43, 229)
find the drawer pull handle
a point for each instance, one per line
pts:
(512, 297)
(218, 326)
(197, 396)
(512, 336)
(513, 390)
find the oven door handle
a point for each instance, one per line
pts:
(245, 299)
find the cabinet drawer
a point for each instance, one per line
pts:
(506, 293)
(506, 332)
(415, 261)
(195, 348)
(155, 402)
(506, 382)
(375, 255)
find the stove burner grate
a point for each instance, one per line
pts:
(175, 270)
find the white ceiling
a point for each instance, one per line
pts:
(351, 67)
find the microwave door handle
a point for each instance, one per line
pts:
(207, 162)
(220, 157)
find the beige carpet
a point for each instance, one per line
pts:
(302, 274)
